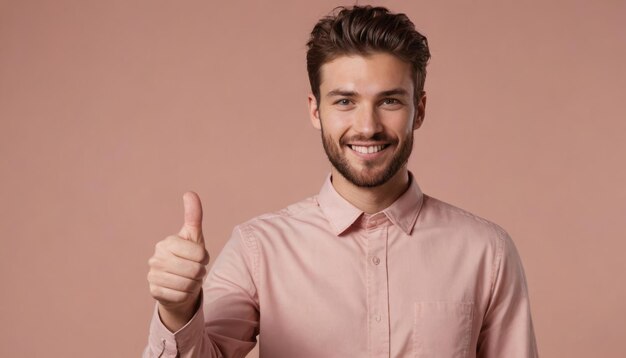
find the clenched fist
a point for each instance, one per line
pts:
(178, 268)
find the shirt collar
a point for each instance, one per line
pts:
(342, 214)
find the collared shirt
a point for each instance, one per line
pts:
(321, 278)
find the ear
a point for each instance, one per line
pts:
(420, 111)
(314, 112)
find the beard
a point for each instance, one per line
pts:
(375, 173)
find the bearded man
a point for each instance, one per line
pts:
(370, 266)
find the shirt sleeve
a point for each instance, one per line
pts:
(227, 322)
(507, 329)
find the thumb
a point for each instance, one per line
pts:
(192, 228)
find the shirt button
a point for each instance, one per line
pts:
(377, 318)
(375, 260)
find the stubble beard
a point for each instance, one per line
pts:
(365, 178)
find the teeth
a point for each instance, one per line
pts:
(367, 150)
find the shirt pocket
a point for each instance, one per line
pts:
(442, 329)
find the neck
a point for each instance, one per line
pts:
(375, 199)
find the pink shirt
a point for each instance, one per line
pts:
(321, 278)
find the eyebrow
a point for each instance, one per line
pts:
(346, 93)
(343, 93)
(394, 92)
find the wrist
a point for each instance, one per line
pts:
(175, 317)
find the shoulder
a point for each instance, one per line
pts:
(444, 216)
(297, 215)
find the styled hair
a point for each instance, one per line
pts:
(364, 30)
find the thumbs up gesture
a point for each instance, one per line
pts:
(178, 268)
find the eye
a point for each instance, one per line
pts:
(391, 101)
(343, 102)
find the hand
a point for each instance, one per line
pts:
(178, 268)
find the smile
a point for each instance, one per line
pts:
(368, 149)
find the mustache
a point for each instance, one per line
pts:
(377, 137)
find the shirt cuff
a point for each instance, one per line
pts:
(167, 344)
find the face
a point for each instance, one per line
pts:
(367, 115)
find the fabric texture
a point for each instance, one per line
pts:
(321, 278)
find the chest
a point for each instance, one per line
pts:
(379, 292)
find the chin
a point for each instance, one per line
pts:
(365, 179)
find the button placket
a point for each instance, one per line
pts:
(378, 298)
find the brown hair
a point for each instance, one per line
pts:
(364, 30)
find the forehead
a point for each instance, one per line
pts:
(369, 74)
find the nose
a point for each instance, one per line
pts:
(367, 122)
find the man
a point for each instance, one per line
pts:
(369, 267)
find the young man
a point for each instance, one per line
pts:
(369, 267)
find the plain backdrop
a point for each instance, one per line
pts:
(110, 110)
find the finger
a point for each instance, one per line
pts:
(184, 249)
(192, 227)
(174, 282)
(167, 295)
(179, 266)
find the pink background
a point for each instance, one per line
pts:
(110, 110)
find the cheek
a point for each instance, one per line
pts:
(336, 124)
(401, 125)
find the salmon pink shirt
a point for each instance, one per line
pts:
(323, 279)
